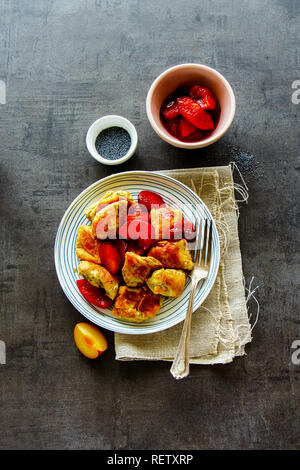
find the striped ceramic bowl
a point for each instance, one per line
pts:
(174, 194)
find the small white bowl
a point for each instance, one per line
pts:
(104, 123)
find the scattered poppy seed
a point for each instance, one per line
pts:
(244, 160)
(113, 143)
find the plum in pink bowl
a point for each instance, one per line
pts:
(190, 105)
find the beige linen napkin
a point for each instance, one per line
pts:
(220, 327)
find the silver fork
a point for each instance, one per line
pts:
(181, 367)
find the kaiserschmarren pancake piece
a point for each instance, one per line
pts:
(109, 198)
(172, 254)
(167, 282)
(99, 276)
(163, 219)
(136, 304)
(106, 222)
(137, 269)
(87, 245)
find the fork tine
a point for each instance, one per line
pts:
(209, 244)
(197, 241)
(204, 246)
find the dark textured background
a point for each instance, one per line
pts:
(65, 63)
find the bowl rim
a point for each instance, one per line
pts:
(202, 143)
(112, 120)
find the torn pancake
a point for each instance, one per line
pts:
(87, 245)
(172, 254)
(163, 219)
(137, 269)
(99, 276)
(167, 282)
(106, 222)
(136, 304)
(109, 198)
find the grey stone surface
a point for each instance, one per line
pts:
(65, 63)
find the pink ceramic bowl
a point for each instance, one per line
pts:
(167, 82)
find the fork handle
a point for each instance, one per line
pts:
(181, 364)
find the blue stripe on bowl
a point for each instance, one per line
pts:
(175, 194)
